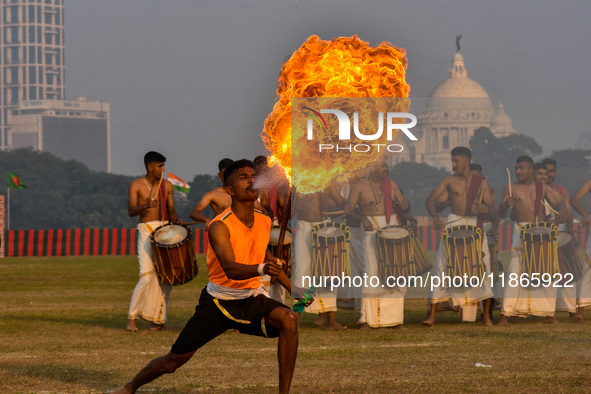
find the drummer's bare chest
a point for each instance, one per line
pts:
(525, 194)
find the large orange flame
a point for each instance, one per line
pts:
(344, 67)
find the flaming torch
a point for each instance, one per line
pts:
(344, 68)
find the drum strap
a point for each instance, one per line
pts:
(540, 211)
(475, 182)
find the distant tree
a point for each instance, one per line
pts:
(66, 194)
(495, 155)
(417, 180)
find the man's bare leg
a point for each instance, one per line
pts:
(503, 321)
(431, 317)
(332, 323)
(131, 325)
(486, 313)
(157, 327)
(577, 317)
(550, 320)
(320, 319)
(286, 321)
(155, 368)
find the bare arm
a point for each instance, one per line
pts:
(557, 202)
(133, 208)
(352, 201)
(506, 203)
(430, 202)
(576, 202)
(398, 197)
(196, 214)
(219, 238)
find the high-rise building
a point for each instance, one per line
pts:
(70, 129)
(31, 53)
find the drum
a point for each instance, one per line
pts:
(274, 247)
(330, 250)
(174, 254)
(395, 252)
(463, 251)
(569, 257)
(493, 252)
(539, 248)
(421, 260)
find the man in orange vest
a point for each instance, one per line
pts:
(234, 297)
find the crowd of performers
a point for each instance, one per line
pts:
(361, 228)
(368, 222)
(365, 227)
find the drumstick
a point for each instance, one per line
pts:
(482, 191)
(549, 207)
(284, 220)
(191, 223)
(159, 183)
(333, 213)
(453, 221)
(509, 174)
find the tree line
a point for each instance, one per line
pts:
(62, 194)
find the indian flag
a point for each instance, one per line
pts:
(178, 184)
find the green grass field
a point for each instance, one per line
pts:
(62, 330)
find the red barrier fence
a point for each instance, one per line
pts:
(102, 242)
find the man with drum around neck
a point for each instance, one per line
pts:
(381, 203)
(525, 200)
(307, 212)
(585, 281)
(150, 297)
(566, 300)
(469, 196)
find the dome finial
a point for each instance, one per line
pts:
(458, 38)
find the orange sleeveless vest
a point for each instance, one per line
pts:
(249, 246)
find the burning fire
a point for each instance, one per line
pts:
(345, 67)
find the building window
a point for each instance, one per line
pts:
(32, 74)
(31, 37)
(32, 57)
(445, 142)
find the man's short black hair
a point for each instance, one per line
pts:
(153, 157)
(260, 160)
(224, 163)
(461, 151)
(540, 166)
(474, 166)
(526, 159)
(238, 164)
(549, 161)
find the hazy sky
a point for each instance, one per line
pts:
(196, 79)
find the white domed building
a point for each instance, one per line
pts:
(455, 109)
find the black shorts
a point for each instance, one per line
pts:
(213, 317)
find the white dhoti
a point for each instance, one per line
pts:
(524, 301)
(149, 300)
(324, 300)
(462, 296)
(380, 306)
(356, 262)
(585, 281)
